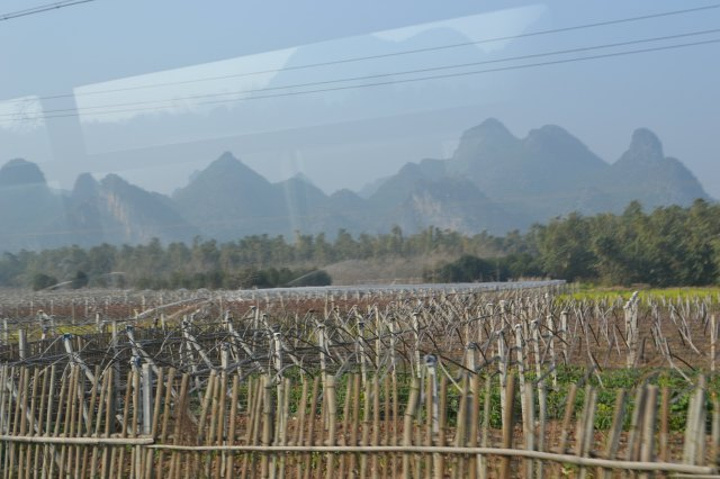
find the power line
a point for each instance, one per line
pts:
(385, 75)
(391, 54)
(409, 80)
(42, 9)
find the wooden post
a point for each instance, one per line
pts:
(586, 427)
(564, 335)
(483, 466)
(613, 437)
(647, 451)
(229, 467)
(331, 427)
(569, 409)
(22, 344)
(416, 335)
(147, 399)
(631, 329)
(519, 352)
(633, 449)
(664, 424)
(431, 365)
(503, 372)
(508, 425)
(529, 428)
(408, 425)
(713, 342)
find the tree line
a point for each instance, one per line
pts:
(668, 246)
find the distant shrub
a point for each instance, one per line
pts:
(80, 280)
(468, 269)
(43, 281)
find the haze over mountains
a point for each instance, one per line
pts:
(493, 182)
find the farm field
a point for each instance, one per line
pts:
(407, 381)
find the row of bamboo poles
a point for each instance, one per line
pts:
(442, 385)
(680, 334)
(74, 422)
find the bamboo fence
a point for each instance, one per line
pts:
(355, 384)
(56, 422)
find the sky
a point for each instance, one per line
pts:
(155, 91)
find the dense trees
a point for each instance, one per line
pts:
(668, 246)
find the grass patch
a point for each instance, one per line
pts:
(610, 294)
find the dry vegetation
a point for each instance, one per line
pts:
(301, 382)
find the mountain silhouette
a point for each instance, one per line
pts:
(494, 182)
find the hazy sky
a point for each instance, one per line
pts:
(186, 85)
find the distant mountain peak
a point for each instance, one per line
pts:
(226, 170)
(226, 157)
(557, 139)
(303, 178)
(551, 131)
(86, 187)
(490, 129)
(19, 172)
(113, 179)
(645, 145)
(85, 179)
(226, 162)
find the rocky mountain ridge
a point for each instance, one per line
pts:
(493, 182)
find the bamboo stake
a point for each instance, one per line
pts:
(118, 467)
(48, 453)
(408, 424)
(365, 437)
(232, 424)
(331, 412)
(713, 343)
(376, 426)
(647, 453)
(98, 422)
(474, 419)
(355, 422)
(633, 450)
(91, 410)
(585, 427)
(30, 428)
(486, 427)
(70, 393)
(529, 427)
(462, 428)
(664, 423)
(310, 438)
(613, 438)
(135, 454)
(438, 459)
(203, 419)
(715, 448)
(395, 418)
(180, 411)
(257, 416)
(148, 470)
(302, 411)
(214, 420)
(569, 409)
(20, 416)
(44, 392)
(345, 426)
(508, 425)
(159, 468)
